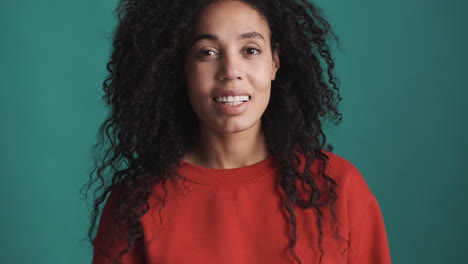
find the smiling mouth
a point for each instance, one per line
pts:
(232, 100)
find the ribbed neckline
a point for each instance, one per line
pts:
(207, 176)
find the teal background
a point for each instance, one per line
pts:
(402, 67)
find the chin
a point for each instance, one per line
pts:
(236, 127)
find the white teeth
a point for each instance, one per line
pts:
(233, 103)
(232, 100)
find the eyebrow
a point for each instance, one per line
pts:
(248, 35)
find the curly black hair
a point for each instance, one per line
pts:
(143, 139)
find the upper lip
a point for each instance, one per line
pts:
(231, 93)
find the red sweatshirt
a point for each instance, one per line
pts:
(236, 216)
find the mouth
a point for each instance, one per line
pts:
(232, 100)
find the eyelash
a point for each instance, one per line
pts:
(203, 53)
(257, 50)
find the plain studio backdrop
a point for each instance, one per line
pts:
(402, 69)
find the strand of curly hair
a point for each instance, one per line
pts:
(144, 137)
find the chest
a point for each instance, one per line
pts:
(232, 225)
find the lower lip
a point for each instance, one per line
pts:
(232, 109)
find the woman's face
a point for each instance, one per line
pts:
(229, 67)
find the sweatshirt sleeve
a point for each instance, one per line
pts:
(368, 238)
(108, 243)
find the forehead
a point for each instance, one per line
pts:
(230, 19)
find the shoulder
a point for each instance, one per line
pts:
(354, 195)
(351, 186)
(339, 165)
(344, 172)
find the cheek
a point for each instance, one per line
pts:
(262, 85)
(261, 73)
(199, 82)
(261, 80)
(198, 79)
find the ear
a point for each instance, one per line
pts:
(276, 62)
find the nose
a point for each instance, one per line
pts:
(230, 67)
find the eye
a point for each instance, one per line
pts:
(252, 51)
(207, 53)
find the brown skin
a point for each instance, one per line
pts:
(228, 62)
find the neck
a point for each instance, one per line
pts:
(228, 150)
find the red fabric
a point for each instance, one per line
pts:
(234, 216)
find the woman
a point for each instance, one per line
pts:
(216, 141)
